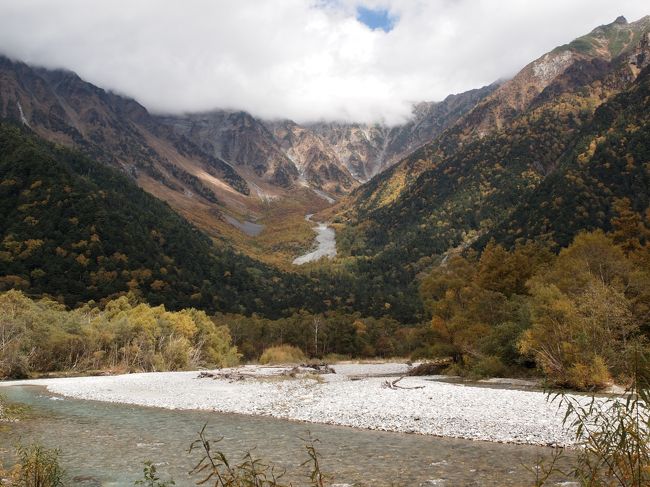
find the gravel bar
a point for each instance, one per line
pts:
(355, 396)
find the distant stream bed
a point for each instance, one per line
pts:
(106, 444)
(325, 244)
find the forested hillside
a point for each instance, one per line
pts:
(543, 157)
(78, 230)
(610, 161)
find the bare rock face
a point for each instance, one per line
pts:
(366, 150)
(118, 131)
(517, 95)
(316, 161)
(333, 157)
(239, 139)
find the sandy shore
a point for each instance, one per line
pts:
(354, 396)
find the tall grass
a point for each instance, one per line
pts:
(216, 469)
(612, 434)
(37, 467)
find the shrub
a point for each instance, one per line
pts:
(38, 467)
(489, 366)
(176, 353)
(332, 358)
(591, 376)
(214, 468)
(150, 477)
(15, 366)
(282, 354)
(612, 433)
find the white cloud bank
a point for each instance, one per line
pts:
(300, 59)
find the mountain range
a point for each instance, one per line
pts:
(473, 182)
(540, 157)
(205, 164)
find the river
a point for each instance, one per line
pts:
(106, 444)
(325, 244)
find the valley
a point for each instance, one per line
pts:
(204, 264)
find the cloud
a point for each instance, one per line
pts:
(301, 59)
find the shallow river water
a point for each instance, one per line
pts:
(106, 444)
(325, 244)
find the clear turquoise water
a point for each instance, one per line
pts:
(106, 444)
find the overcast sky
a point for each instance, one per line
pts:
(300, 59)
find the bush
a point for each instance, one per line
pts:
(41, 335)
(611, 433)
(282, 354)
(176, 353)
(215, 469)
(150, 477)
(489, 366)
(38, 467)
(15, 367)
(591, 376)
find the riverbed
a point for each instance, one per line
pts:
(106, 444)
(325, 243)
(356, 395)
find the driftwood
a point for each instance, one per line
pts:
(393, 385)
(433, 367)
(318, 369)
(231, 376)
(322, 368)
(235, 375)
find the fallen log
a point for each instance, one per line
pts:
(433, 367)
(393, 385)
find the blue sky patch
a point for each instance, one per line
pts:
(376, 18)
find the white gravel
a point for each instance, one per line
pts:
(438, 408)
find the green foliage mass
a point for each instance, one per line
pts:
(574, 315)
(37, 467)
(43, 336)
(610, 161)
(335, 332)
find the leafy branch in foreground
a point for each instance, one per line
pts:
(612, 434)
(150, 477)
(37, 467)
(543, 470)
(215, 469)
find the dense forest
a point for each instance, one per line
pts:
(552, 170)
(78, 230)
(571, 317)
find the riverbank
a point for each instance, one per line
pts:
(354, 396)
